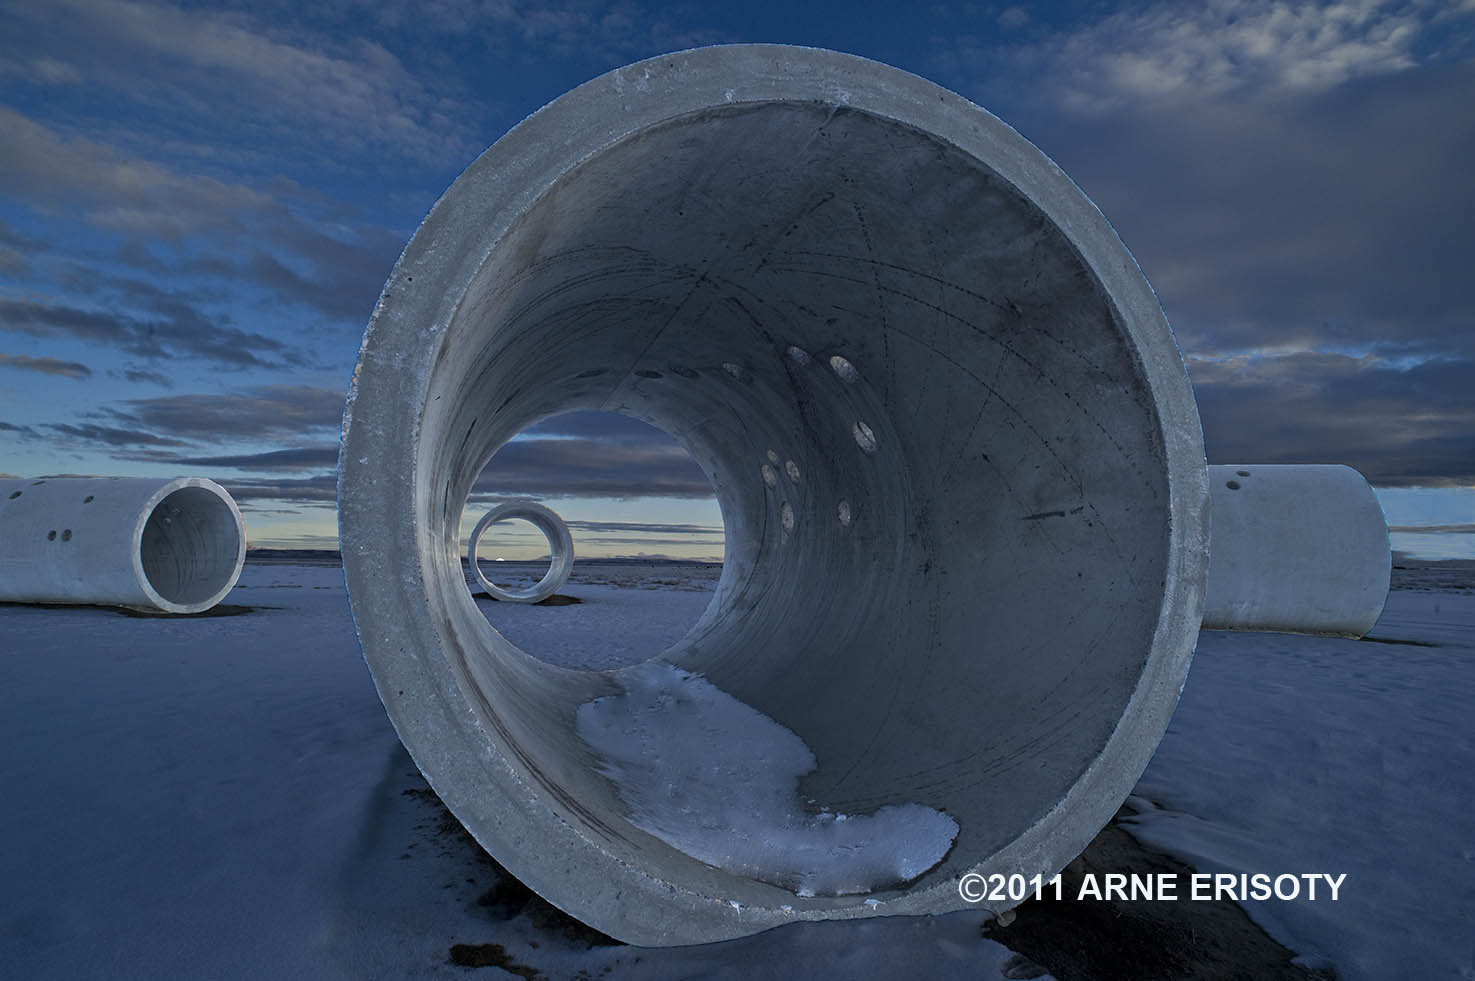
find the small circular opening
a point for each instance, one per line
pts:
(514, 555)
(648, 540)
(191, 547)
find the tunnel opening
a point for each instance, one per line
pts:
(937, 467)
(928, 388)
(645, 531)
(191, 548)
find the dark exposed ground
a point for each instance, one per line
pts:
(1140, 940)
(1105, 940)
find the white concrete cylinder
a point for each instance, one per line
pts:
(173, 545)
(560, 545)
(1301, 549)
(958, 459)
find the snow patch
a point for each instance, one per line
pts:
(718, 780)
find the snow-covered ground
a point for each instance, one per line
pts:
(224, 797)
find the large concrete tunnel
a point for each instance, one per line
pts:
(959, 463)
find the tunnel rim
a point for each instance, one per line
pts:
(236, 564)
(391, 611)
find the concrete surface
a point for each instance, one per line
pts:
(958, 459)
(1302, 549)
(173, 545)
(560, 546)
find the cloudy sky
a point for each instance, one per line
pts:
(200, 202)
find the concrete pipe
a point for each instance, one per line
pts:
(959, 464)
(173, 545)
(1302, 549)
(560, 547)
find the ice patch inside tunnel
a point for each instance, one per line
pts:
(719, 781)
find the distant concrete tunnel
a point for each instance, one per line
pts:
(175, 545)
(958, 459)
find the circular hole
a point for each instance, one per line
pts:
(648, 373)
(51, 535)
(844, 370)
(14, 495)
(770, 476)
(684, 372)
(191, 546)
(66, 536)
(37, 483)
(792, 469)
(1243, 473)
(514, 555)
(786, 517)
(798, 355)
(89, 499)
(772, 457)
(864, 438)
(842, 511)
(1232, 484)
(648, 540)
(590, 373)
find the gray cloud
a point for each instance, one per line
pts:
(141, 375)
(1299, 199)
(181, 329)
(319, 490)
(578, 467)
(289, 247)
(261, 412)
(639, 526)
(1397, 426)
(112, 435)
(46, 366)
(343, 92)
(297, 458)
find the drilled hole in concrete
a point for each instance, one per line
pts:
(66, 536)
(792, 469)
(647, 535)
(648, 373)
(684, 372)
(798, 355)
(770, 476)
(51, 535)
(1243, 473)
(1232, 484)
(14, 495)
(786, 517)
(89, 499)
(864, 438)
(844, 370)
(842, 511)
(772, 457)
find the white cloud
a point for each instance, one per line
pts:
(350, 93)
(52, 171)
(1178, 52)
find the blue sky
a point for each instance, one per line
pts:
(200, 202)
